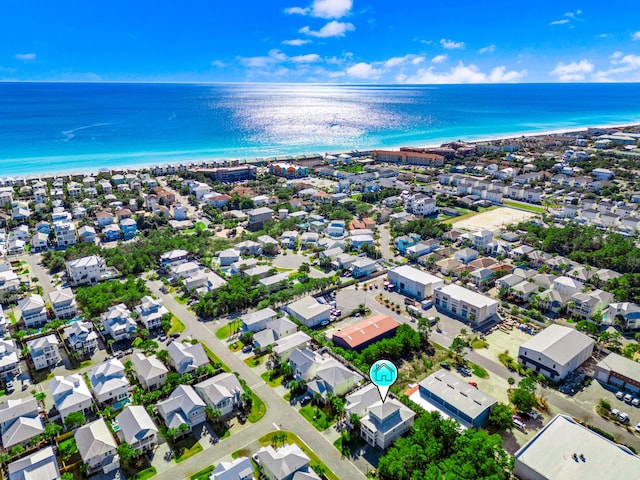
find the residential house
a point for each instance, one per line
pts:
(363, 267)
(282, 463)
(481, 277)
(111, 233)
(70, 394)
(81, 337)
(150, 372)
(274, 330)
(384, 422)
(183, 406)
(466, 255)
(44, 351)
(309, 311)
(258, 217)
(34, 311)
(249, 247)
(186, 357)
(118, 323)
(39, 242)
(239, 469)
(63, 303)
(222, 392)
(65, 234)
(481, 238)
(87, 234)
(87, 270)
(150, 312)
(129, 228)
(465, 304)
(229, 256)
(524, 290)
(586, 305)
(173, 257)
(625, 313)
(137, 428)
(256, 321)
(97, 447)
(109, 382)
(104, 218)
(20, 421)
(41, 465)
(9, 359)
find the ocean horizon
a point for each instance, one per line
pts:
(63, 127)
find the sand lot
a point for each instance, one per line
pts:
(493, 220)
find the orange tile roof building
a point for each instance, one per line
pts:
(366, 332)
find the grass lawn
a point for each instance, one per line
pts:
(12, 317)
(287, 396)
(223, 332)
(190, 446)
(316, 417)
(479, 343)
(182, 300)
(255, 360)
(258, 408)
(213, 357)
(292, 438)
(243, 452)
(145, 474)
(524, 206)
(419, 367)
(176, 325)
(272, 383)
(235, 346)
(203, 474)
(478, 371)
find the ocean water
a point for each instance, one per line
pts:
(55, 127)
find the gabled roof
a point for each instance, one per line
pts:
(135, 423)
(41, 465)
(220, 387)
(13, 409)
(69, 391)
(284, 461)
(95, 440)
(23, 429)
(366, 330)
(148, 367)
(559, 343)
(181, 402)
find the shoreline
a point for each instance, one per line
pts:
(136, 167)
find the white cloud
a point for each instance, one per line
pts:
(462, 73)
(569, 17)
(627, 69)
(25, 57)
(274, 56)
(572, 72)
(559, 22)
(364, 71)
(309, 58)
(439, 58)
(417, 60)
(218, 63)
(323, 9)
(298, 42)
(487, 49)
(451, 45)
(331, 29)
(635, 36)
(603, 35)
(615, 56)
(297, 11)
(408, 58)
(394, 62)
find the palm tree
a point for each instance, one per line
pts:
(213, 414)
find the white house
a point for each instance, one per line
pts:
(118, 322)
(81, 337)
(239, 469)
(44, 351)
(556, 351)
(87, 270)
(384, 422)
(63, 303)
(9, 359)
(109, 382)
(309, 311)
(256, 321)
(34, 311)
(150, 371)
(630, 313)
(137, 428)
(183, 406)
(413, 282)
(41, 465)
(481, 238)
(282, 463)
(20, 421)
(221, 392)
(150, 312)
(70, 394)
(97, 447)
(186, 357)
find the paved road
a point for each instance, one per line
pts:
(385, 238)
(44, 280)
(279, 412)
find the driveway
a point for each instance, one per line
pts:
(38, 271)
(278, 411)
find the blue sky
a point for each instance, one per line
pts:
(345, 41)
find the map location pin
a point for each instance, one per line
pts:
(383, 374)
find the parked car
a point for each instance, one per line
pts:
(305, 400)
(445, 365)
(9, 387)
(473, 384)
(162, 338)
(628, 397)
(623, 417)
(465, 371)
(638, 428)
(175, 335)
(620, 395)
(615, 412)
(635, 402)
(247, 349)
(26, 383)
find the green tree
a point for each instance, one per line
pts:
(501, 417)
(52, 430)
(127, 453)
(68, 448)
(523, 397)
(74, 419)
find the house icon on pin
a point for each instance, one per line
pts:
(383, 373)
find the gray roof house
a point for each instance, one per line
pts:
(97, 447)
(334, 378)
(137, 428)
(385, 422)
(41, 465)
(282, 463)
(63, 303)
(81, 337)
(256, 321)
(183, 406)
(221, 392)
(20, 421)
(239, 469)
(186, 357)
(70, 394)
(109, 382)
(150, 371)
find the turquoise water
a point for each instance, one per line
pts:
(52, 127)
